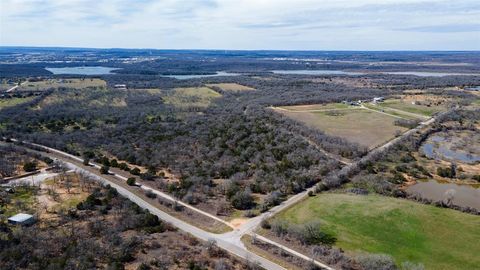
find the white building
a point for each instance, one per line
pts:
(21, 219)
(378, 99)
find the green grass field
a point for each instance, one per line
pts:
(395, 112)
(411, 108)
(10, 102)
(437, 237)
(358, 125)
(21, 201)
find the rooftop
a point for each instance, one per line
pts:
(20, 217)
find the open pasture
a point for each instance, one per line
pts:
(231, 87)
(367, 128)
(10, 102)
(423, 105)
(57, 83)
(438, 238)
(200, 97)
(316, 107)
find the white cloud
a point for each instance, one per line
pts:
(243, 24)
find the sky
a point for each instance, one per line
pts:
(243, 24)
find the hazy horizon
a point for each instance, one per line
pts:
(326, 25)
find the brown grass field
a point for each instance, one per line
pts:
(360, 126)
(200, 97)
(57, 83)
(231, 87)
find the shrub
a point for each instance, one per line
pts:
(131, 181)
(114, 163)
(310, 193)
(150, 194)
(30, 166)
(104, 169)
(86, 161)
(135, 171)
(376, 262)
(312, 234)
(279, 227)
(265, 224)
(242, 200)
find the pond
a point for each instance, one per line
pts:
(316, 72)
(429, 74)
(196, 76)
(97, 70)
(461, 195)
(443, 146)
(473, 88)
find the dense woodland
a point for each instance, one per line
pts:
(236, 138)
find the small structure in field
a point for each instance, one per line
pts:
(21, 219)
(120, 86)
(378, 99)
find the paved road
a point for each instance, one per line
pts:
(229, 241)
(31, 179)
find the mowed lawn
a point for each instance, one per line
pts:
(437, 237)
(360, 126)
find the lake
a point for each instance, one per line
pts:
(462, 195)
(196, 76)
(316, 72)
(97, 70)
(429, 74)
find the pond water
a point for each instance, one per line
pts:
(98, 70)
(429, 74)
(473, 88)
(434, 149)
(316, 72)
(462, 195)
(195, 76)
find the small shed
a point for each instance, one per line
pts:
(21, 219)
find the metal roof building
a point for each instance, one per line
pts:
(21, 219)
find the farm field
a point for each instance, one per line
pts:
(57, 83)
(437, 237)
(360, 126)
(231, 87)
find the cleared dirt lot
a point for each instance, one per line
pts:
(361, 126)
